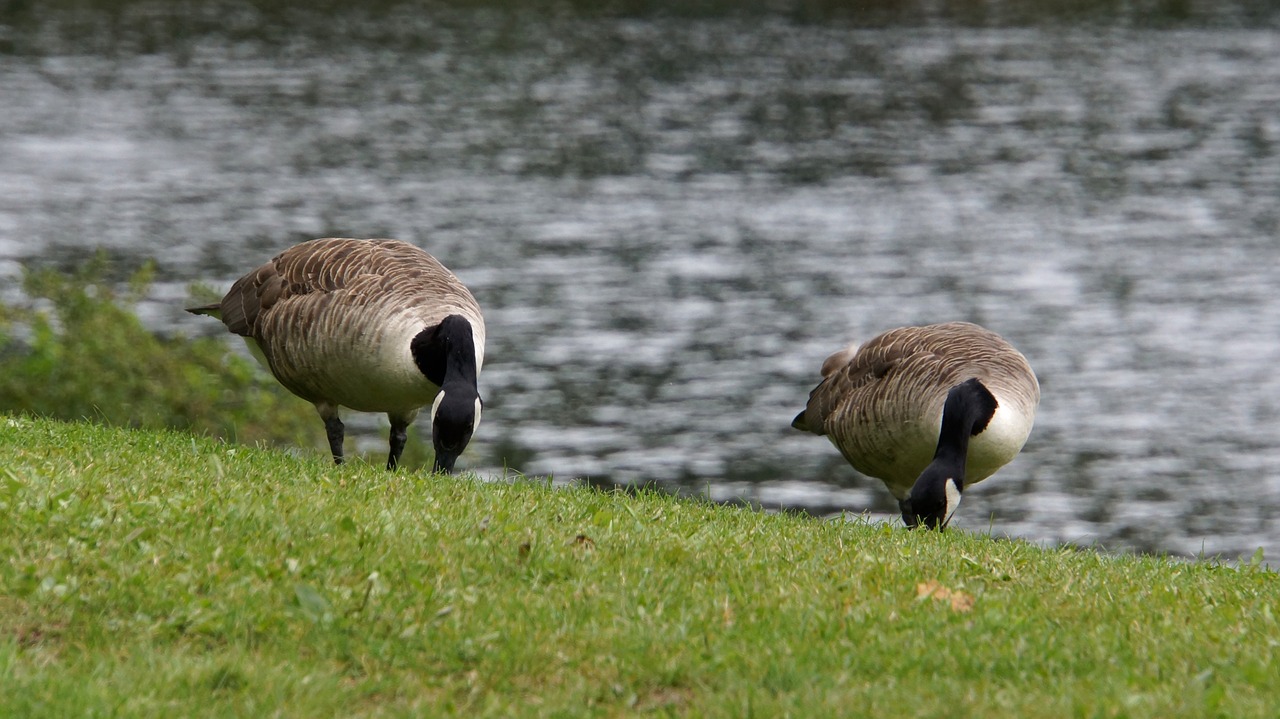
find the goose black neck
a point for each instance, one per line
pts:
(967, 411)
(446, 353)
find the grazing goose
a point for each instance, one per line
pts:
(927, 410)
(371, 325)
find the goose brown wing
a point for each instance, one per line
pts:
(387, 269)
(850, 379)
(863, 380)
(249, 297)
(903, 373)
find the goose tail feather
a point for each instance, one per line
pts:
(214, 310)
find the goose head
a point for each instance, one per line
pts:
(455, 415)
(933, 499)
(446, 355)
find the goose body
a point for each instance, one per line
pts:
(370, 325)
(927, 410)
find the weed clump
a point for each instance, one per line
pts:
(76, 350)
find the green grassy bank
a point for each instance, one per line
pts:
(147, 573)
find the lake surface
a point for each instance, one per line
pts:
(671, 222)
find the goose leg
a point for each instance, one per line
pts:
(334, 430)
(397, 440)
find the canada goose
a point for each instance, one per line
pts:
(904, 406)
(371, 325)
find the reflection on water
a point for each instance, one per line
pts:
(670, 223)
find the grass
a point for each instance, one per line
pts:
(150, 573)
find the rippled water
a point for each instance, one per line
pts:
(670, 223)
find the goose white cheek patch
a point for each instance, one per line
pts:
(953, 501)
(476, 424)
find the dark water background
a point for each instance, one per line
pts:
(670, 222)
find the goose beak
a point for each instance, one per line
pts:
(444, 462)
(909, 517)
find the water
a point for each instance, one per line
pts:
(671, 222)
